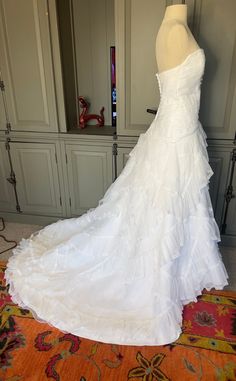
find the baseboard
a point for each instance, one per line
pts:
(228, 240)
(29, 219)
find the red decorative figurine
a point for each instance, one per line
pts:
(85, 117)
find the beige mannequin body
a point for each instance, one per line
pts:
(174, 40)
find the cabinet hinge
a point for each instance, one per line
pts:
(114, 149)
(2, 86)
(114, 154)
(60, 201)
(234, 155)
(56, 157)
(12, 178)
(70, 201)
(8, 126)
(66, 159)
(7, 145)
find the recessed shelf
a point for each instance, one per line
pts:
(94, 130)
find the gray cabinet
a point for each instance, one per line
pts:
(230, 209)
(122, 157)
(89, 175)
(231, 215)
(7, 200)
(56, 179)
(69, 175)
(27, 50)
(213, 24)
(137, 23)
(37, 178)
(220, 163)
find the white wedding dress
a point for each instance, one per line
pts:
(122, 272)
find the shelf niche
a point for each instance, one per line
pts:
(86, 33)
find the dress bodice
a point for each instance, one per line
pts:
(179, 87)
(184, 78)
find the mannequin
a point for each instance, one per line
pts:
(174, 40)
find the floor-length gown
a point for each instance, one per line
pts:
(122, 272)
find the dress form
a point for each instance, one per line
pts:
(174, 40)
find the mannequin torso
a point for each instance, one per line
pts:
(174, 40)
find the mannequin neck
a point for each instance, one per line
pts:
(176, 12)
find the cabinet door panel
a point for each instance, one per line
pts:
(7, 200)
(219, 161)
(122, 158)
(89, 173)
(26, 65)
(213, 23)
(37, 178)
(137, 24)
(231, 215)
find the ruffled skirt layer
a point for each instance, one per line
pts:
(122, 272)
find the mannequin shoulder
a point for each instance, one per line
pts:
(178, 34)
(177, 42)
(173, 43)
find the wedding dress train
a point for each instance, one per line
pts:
(122, 272)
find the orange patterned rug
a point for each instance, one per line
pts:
(206, 351)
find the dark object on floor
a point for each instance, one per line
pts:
(14, 243)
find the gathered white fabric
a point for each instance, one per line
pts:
(122, 272)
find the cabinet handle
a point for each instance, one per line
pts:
(229, 192)
(151, 111)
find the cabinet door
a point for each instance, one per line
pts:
(137, 23)
(219, 159)
(214, 27)
(213, 24)
(37, 179)
(231, 214)
(122, 157)
(26, 65)
(89, 175)
(7, 200)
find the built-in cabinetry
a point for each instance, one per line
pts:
(89, 171)
(220, 159)
(58, 171)
(37, 174)
(55, 176)
(28, 52)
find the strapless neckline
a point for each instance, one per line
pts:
(197, 51)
